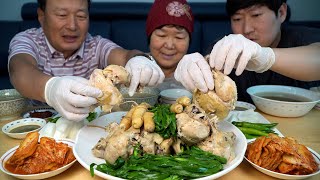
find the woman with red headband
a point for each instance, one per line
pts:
(169, 27)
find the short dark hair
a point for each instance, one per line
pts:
(232, 6)
(42, 4)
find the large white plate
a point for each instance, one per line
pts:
(88, 136)
(249, 116)
(288, 176)
(44, 175)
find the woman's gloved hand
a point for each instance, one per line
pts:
(193, 72)
(143, 71)
(71, 96)
(236, 51)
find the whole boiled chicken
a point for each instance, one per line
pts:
(221, 100)
(106, 80)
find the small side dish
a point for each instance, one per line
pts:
(37, 159)
(253, 124)
(40, 113)
(20, 128)
(243, 106)
(282, 157)
(254, 130)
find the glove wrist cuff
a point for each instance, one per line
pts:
(144, 55)
(47, 89)
(269, 54)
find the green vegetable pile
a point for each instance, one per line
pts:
(191, 163)
(254, 130)
(165, 121)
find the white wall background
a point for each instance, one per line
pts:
(301, 9)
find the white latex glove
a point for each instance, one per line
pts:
(143, 71)
(71, 96)
(193, 72)
(236, 51)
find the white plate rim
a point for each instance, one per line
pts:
(78, 149)
(43, 175)
(288, 176)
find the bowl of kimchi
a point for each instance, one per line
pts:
(20, 172)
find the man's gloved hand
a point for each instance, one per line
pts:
(236, 51)
(143, 71)
(193, 72)
(71, 96)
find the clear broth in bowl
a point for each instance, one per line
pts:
(280, 96)
(26, 128)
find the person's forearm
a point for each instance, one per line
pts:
(301, 63)
(121, 56)
(26, 77)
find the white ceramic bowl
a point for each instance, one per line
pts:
(317, 90)
(169, 96)
(146, 94)
(29, 124)
(288, 176)
(284, 107)
(44, 175)
(12, 104)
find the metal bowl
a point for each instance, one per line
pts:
(146, 94)
(12, 104)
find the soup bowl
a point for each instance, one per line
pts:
(146, 94)
(283, 101)
(169, 96)
(20, 128)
